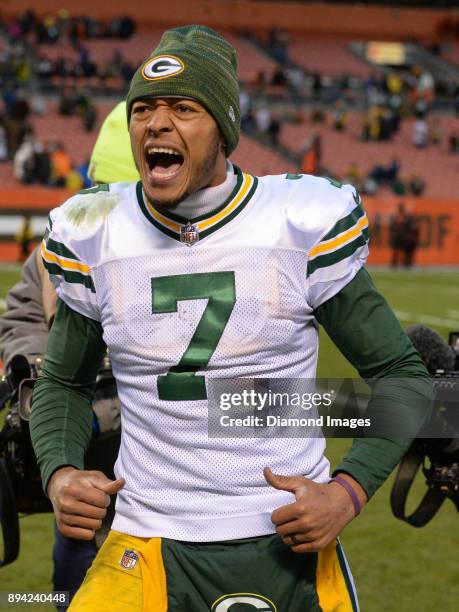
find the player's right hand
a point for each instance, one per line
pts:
(80, 499)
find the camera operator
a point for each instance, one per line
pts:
(437, 447)
(24, 331)
(24, 327)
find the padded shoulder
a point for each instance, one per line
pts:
(82, 215)
(316, 204)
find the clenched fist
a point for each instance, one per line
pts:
(80, 499)
(318, 514)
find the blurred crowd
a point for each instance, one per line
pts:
(45, 163)
(385, 175)
(62, 27)
(385, 99)
(24, 71)
(411, 86)
(290, 93)
(48, 163)
(25, 57)
(379, 124)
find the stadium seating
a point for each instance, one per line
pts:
(439, 169)
(251, 62)
(69, 131)
(7, 179)
(257, 159)
(450, 52)
(329, 57)
(325, 55)
(250, 155)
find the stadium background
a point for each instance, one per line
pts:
(318, 88)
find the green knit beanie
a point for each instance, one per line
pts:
(194, 62)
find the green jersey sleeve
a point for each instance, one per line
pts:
(364, 328)
(61, 417)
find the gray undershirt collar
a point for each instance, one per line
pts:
(204, 201)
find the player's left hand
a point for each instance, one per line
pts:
(318, 515)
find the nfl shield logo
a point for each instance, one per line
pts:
(129, 559)
(189, 234)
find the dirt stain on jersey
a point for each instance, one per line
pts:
(91, 208)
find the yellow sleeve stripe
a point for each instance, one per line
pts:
(331, 245)
(64, 263)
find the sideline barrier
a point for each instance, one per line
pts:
(14, 203)
(438, 225)
(31, 199)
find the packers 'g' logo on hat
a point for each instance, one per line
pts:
(162, 67)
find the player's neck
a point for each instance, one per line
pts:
(204, 201)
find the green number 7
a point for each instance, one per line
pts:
(181, 382)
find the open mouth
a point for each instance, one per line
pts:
(164, 162)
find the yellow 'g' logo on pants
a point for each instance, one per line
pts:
(260, 603)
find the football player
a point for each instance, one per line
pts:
(201, 271)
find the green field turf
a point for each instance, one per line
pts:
(396, 568)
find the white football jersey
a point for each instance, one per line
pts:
(229, 295)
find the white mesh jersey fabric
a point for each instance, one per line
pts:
(170, 464)
(181, 483)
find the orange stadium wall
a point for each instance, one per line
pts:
(30, 199)
(351, 20)
(438, 221)
(37, 201)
